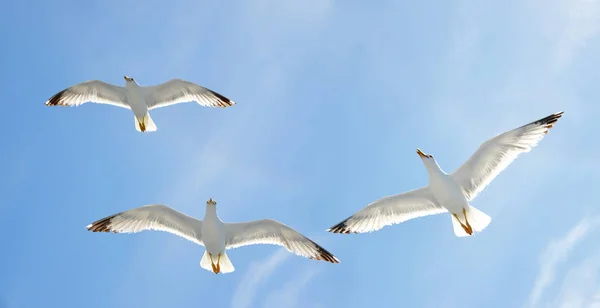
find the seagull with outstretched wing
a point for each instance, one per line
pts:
(139, 99)
(212, 233)
(452, 192)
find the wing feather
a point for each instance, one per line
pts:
(494, 155)
(151, 217)
(390, 210)
(95, 91)
(177, 91)
(269, 231)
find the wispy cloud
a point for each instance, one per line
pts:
(289, 294)
(256, 276)
(558, 252)
(569, 25)
(581, 286)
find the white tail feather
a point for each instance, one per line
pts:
(458, 230)
(224, 263)
(205, 262)
(147, 122)
(477, 219)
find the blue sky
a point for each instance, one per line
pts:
(333, 99)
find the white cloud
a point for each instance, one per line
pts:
(558, 252)
(289, 294)
(581, 286)
(256, 275)
(568, 25)
(554, 32)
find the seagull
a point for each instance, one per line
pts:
(214, 234)
(451, 192)
(139, 99)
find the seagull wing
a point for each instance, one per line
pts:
(151, 217)
(269, 231)
(390, 210)
(496, 154)
(177, 91)
(95, 91)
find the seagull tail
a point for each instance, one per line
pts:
(478, 220)
(145, 124)
(205, 262)
(224, 263)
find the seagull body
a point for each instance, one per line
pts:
(139, 99)
(451, 192)
(212, 233)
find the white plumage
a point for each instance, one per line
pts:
(151, 217)
(452, 192)
(269, 231)
(139, 99)
(212, 233)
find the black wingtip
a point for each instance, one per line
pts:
(102, 225)
(551, 119)
(341, 228)
(324, 255)
(56, 100)
(223, 102)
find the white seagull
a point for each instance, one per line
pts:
(139, 99)
(214, 234)
(451, 192)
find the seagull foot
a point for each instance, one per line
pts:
(215, 269)
(470, 229)
(218, 263)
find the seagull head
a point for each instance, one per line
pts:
(423, 155)
(211, 202)
(128, 79)
(429, 161)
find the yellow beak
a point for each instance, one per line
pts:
(423, 155)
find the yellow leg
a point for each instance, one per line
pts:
(467, 222)
(142, 126)
(214, 268)
(218, 263)
(461, 224)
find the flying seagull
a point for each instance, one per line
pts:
(139, 99)
(214, 234)
(451, 192)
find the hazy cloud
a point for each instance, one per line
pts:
(557, 252)
(255, 277)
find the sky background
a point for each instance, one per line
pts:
(333, 99)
